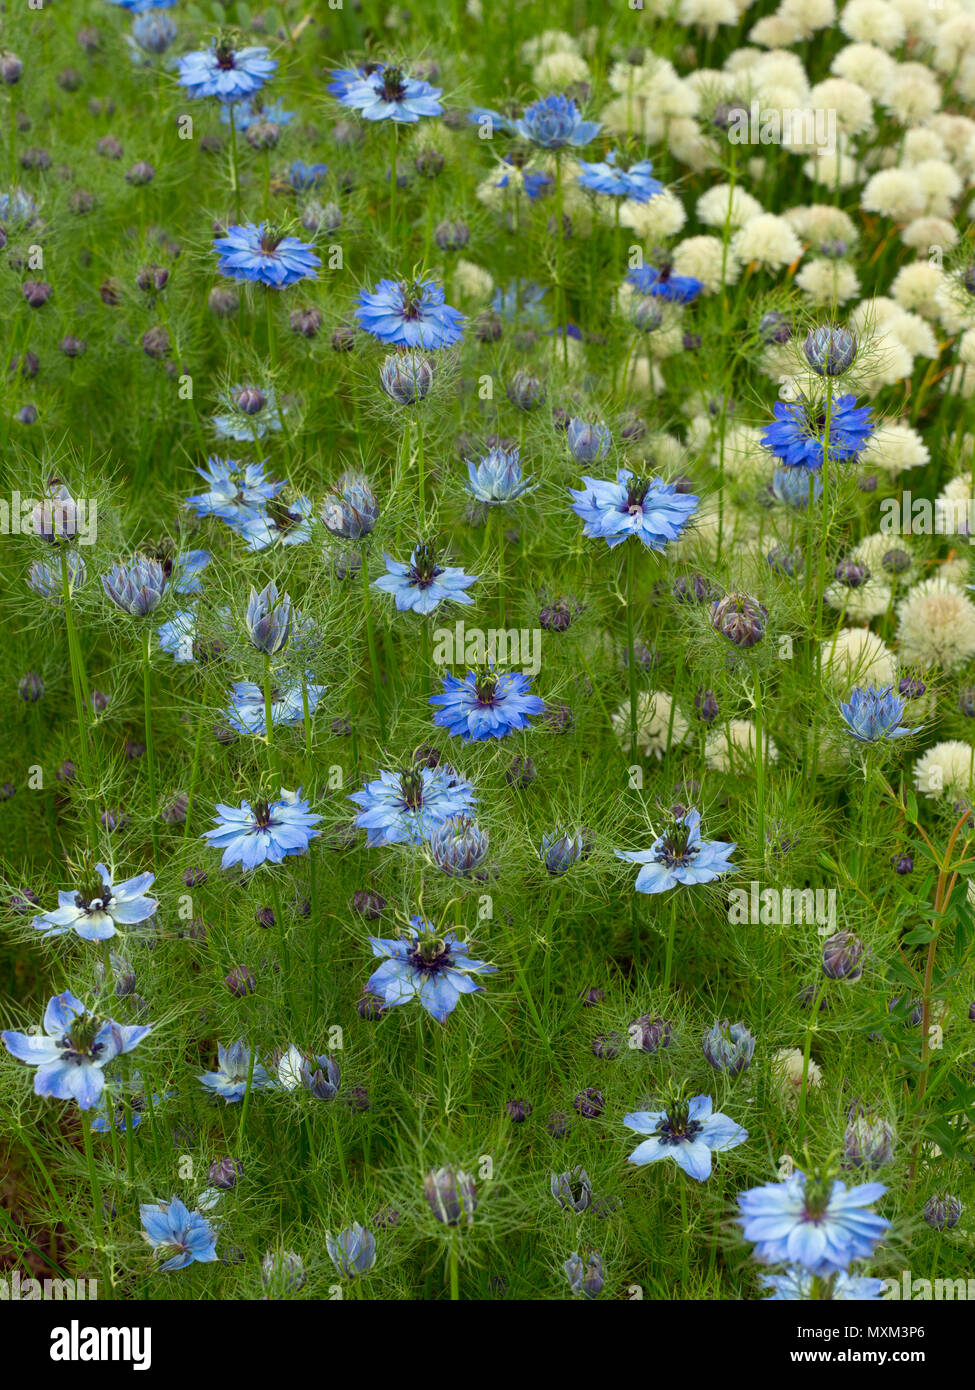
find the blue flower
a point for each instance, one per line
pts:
(679, 855)
(663, 283)
(688, 1132)
(230, 1078)
(650, 509)
(243, 114)
(817, 1224)
(426, 966)
(486, 704)
(486, 116)
(247, 714)
(151, 34)
(282, 524)
(302, 176)
(798, 434)
(458, 846)
(237, 492)
(177, 1236)
(97, 909)
(522, 301)
(797, 1284)
(386, 94)
(267, 833)
(554, 122)
(178, 635)
(496, 477)
(225, 72)
(588, 442)
(534, 182)
(423, 584)
(873, 715)
(140, 6)
(18, 207)
(408, 806)
(610, 177)
(186, 570)
(265, 256)
(352, 1251)
(73, 1050)
(244, 426)
(409, 314)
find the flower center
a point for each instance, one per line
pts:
(431, 955)
(675, 849)
(95, 898)
(226, 58)
(424, 569)
(394, 85)
(262, 814)
(411, 788)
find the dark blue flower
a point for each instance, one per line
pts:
(798, 434)
(652, 510)
(73, 1050)
(225, 72)
(386, 93)
(177, 1235)
(408, 806)
(426, 966)
(409, 314)
(423, 584)
(873, 715)
(613, 178)
(554, 122)
(264, 256)
(817, 1224)
(588, 442)
(302, 176)
(679, 855)
(486, 704)
(664, 284)
(791, 486)
(268, 832)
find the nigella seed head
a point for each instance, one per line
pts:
(30, 688)
(521, 773)
(729, 1047)
(650, 1034)
(240, 982)
(368, 904)
(902, 863)
(868, 1142)
(774, 327)
(518, 1110)
(830, 350)
(525, 390)
(589, 1103)
(451, 1196)
(607, 1045)
(739, 618)
(942, 1211)
(572, 1190)
(224, 1172)
(843, 957)
(896, 562)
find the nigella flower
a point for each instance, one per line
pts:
(284, 523)
(488, 117)
(350, 511)
(522, 301)
(267, 833)
(141, 6)
(152, 34)
(45, 580)
(178, 635)
(352, 1251)
(243, 114)
(486, 704)
(410, 314)
(458, 847)
(664, 284)
(588, 442)
(18, 208)
(798, 434)
(237, 491)
(320, 1075)
(816, 1223)
(611, 177)
(185, 570)
(406, 377)
(247, 714)
(554, 122)
(386, 93)
(302, 176)
(73, 1050)
(265, 256)
(796, 1284)
(679, 855)
(791, 486)
(426, 966)
(98, 908)
(874, 715)
(559, 851)
(688, 1131)
(650, 509)
(136, 588)
(268, 619)
(533, 181)
(496, 477)
(408, 806)
(177, 1235)
(423, 584)
(224, 72)
(230, 1078)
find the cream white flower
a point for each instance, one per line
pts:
(788, 1065)
(768, 241)
(732, 748)
(936, 625)
(857, 656)
(656, 716)
(947, 767)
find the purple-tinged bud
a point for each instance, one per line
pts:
(589, 1103)
(451, 1196)
(843, 957)
(368, 904)
(902, 863)
(585, 1274)
(140, 174)
(729, 1047)
(525, 391)
(36, 293)
(868, 1142)
(942, 1211)
(30, 688)
(740, 618)
(518, 1110)
(224, 1172)
(830, 350)
(650, 1034)
(572, 1190)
